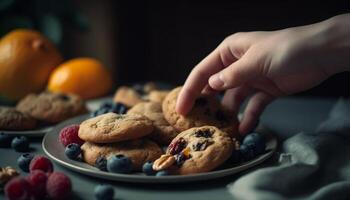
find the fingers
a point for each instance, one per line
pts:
(233, 98)
(207, 90)
(255, 107)
(238, 73)
(224, 55)
(198, 79)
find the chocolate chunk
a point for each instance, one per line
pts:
(139, 89)
(181, 158)
(203, 133)
(63, 97)
(201, 146)
(101, 163)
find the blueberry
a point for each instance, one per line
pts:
(20, 144)
(247, 152)
(94, 113)
(139, 89)
(119, 164)
(147, 168)
(104, 192)
(72, 151)
(162, 173)
(235, 157)
(24, 160)
(256, 140)
(102, 111)
(180, 159)
(119, 108)
(5, 140)
(106, 105)
(101, 163)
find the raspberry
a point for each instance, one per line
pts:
(37, 181)
(69, 134)
(41, 163)
(177, 146)
(17, 189)
(58, 186)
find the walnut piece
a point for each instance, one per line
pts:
(164, 162)
(7, 173)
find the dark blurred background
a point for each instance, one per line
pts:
(163, 40)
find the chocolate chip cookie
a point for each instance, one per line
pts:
(111, 127)
(197, 150)
(128, 96)
(163, 132)
(131, 96)
(139, 151)
(52, 107)
(207, 110)
(11, 119)
(157, 95)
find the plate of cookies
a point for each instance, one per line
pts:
(147, 141)
(36, 114)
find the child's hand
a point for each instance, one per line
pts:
(264, 65)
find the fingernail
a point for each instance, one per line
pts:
(216, 81)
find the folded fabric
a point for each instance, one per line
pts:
(319, 167)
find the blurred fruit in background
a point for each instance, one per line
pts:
(86, 77)
(26, 60)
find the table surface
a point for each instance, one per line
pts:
(285, 116)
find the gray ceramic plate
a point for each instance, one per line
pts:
(55, 150)
(30, 133)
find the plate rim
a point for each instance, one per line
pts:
(135, 178)
(30, 133)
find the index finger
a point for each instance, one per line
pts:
(197, 80)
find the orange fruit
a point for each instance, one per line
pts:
(26, 60)
(86, 77)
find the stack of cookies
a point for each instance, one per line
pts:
(43, 108)
(198, 142)
(114, 134)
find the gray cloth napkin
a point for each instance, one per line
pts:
(319, 167)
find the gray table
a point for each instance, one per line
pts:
(285, 117)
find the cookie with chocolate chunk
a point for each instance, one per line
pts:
(11, 119)
(139, 151)
(163, 132)
(207, 110)
(112, 127)
(197, 150)
(52, 107)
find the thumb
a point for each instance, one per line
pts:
(236, 74)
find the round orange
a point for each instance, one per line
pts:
(26, 60)
(86, 77)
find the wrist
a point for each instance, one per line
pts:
(334, 44)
